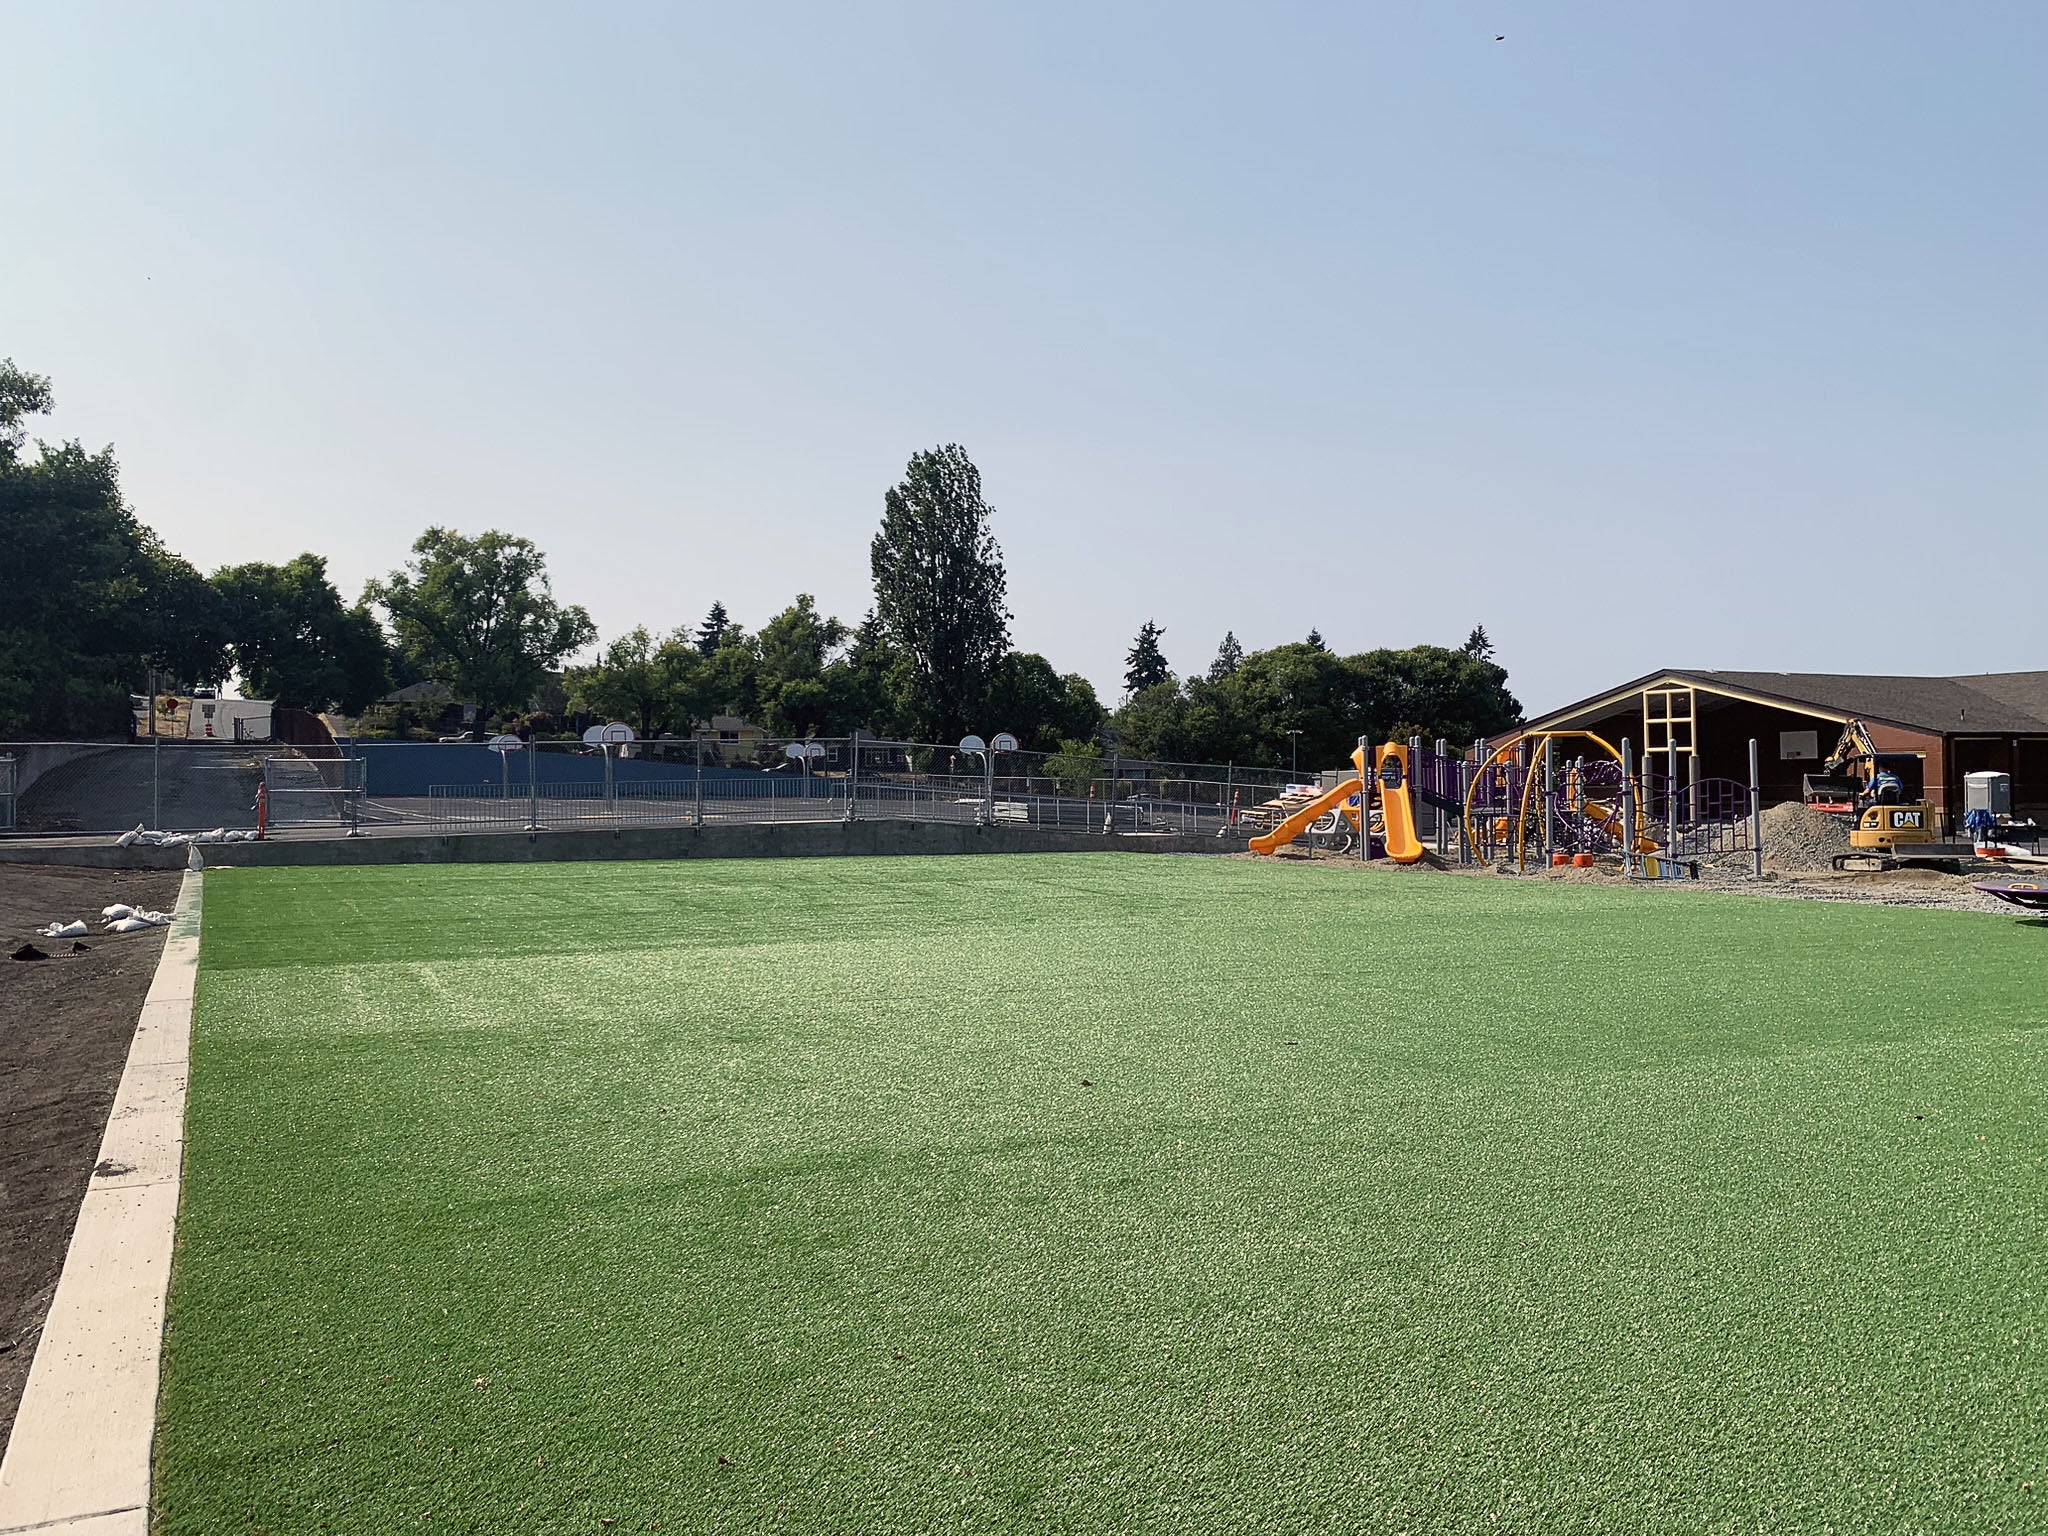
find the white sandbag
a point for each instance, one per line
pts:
(116, 912)
(217, 835)
(130, 925)
(70, 930)
(127, 839)
(193, 859)
(155, 919)
(173, 840)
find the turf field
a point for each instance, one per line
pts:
(1103, 1193)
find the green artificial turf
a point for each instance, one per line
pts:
(1103, 1193)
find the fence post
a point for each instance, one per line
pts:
(697, 815)
(1756, 817)
(532, 783)
(852, 773)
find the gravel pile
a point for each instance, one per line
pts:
(1798, 839)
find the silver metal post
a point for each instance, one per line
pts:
(697, 813)
(532, 783)
(611, 803)
(1756, 816)
(852, 773)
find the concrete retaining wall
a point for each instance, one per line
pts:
(33, 759)
(767, 841)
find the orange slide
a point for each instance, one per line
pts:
(1299, 822)
(1397, 805)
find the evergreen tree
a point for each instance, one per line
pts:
(716, 623)
(1229, 657)
(940, 590)
(1145, 664)
(1477, 645)
(1315, 641)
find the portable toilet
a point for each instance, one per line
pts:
(1988, 792)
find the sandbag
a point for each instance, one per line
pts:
(116, 912)
(71, 930)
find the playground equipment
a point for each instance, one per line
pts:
(1354, 799)
(1545, 797)
(1529, 801)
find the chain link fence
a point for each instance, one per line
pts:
(371, 787)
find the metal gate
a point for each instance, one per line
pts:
(313, 792)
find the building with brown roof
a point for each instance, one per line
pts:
(1952, 725)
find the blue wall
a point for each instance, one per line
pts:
(402, 769)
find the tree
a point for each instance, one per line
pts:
(1315, 641)
(293, 642)
(480, 616)
(1431, 692)
(1039, 706)
(940, 590)
(1153, 723)
(639, 680)
(1476, 644)
(1144, 663)
(795, 647)
(1074, 766)
(1229, 657)
(713, 631)
(867, 683)
(89, 598)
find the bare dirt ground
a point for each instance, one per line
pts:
(1898, 888)
(65, 1027)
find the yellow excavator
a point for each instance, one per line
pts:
(1871, 787)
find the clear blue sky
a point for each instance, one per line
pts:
(1652, 335)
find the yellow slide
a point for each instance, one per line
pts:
(1298, 823)
(1397, 806)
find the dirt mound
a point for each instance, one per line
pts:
(1796, 839)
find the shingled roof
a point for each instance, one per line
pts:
(1992, 702)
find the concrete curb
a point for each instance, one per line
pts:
(79, 1460)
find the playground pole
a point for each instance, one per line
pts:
(1671, 794)
(1756, 817)
(1549, 790)
(1365, 777)
(1628, 807)
(1441, 757)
